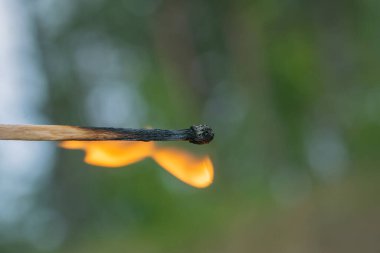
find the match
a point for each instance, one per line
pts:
(197, 134)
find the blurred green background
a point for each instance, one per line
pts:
(291, 89)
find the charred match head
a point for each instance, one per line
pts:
(201, 134)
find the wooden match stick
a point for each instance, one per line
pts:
(197, 134)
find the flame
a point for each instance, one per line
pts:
(183, 165)
(111, 153)
(195, 171)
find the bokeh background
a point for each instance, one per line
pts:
(291, 88)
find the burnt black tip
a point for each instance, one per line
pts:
(201, 134)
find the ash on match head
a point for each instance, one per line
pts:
(202, 134)
(197, 134)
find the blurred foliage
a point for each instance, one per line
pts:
(290, 87)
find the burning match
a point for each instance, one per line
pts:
(197, 134)
(117, 147)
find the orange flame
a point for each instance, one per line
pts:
(195, 171)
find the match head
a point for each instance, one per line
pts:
(201, 134)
